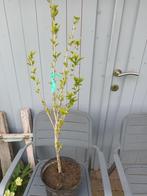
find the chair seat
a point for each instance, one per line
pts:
(137, 178)
(36, 187)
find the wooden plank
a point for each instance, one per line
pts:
(115, 32)
(43, 32)
(26, 120)
(15, 137)
(97, 186)
(12, 11)
(74, 8)
(102, 38)
(5, 148)
(140, 92)
(87, 50)
(8, 68)
(134, 63)
(31, 42)
(5, 102)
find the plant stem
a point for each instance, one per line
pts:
(54, 100)
(45, 108)
(57, 153)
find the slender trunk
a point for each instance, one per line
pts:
(58, 161)
(58, 154)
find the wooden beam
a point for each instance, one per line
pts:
(26, 119)
(15, 137)
(6, 153)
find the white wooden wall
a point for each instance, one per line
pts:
(107, 29)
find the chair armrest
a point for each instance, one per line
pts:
(104, 172)
(122, 176)
(11, 169)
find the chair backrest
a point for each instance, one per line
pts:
(76, 132)
(134, 138)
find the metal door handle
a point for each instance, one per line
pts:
(119, 73)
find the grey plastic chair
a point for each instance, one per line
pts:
(76, 139)
(131, 157)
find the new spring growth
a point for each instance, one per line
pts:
(62, 99)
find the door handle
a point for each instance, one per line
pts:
(119, 73)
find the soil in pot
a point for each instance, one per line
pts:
(67, 180)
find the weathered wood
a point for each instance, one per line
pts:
(26, 120)
(6, 153)
(15, 137)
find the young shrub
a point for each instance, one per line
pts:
(62, 100)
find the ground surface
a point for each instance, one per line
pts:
(97, 188)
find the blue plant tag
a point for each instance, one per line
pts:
(53, 83)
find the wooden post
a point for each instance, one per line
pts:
(26, 120)
(6, 153)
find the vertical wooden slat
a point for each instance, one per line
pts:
(133, 63)
(5, 148)
(14, 23)
(26, 120)
(140, 92)
(5, 103)
(102, 39)
(127, 28)
(115, 32)
(87, 49)
(7, 63)
(74, 8)
(44, 35)
(30, 37)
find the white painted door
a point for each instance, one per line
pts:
(128, 52)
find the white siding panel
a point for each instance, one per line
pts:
(88, 33)
(102, 40)
(133, 64)
(30, 36)
(114, 35)
(115, 32)
(44, 35)
(18, 50)
(74, 8)
(9, 71)
(121, 62)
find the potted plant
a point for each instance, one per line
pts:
(60, 168)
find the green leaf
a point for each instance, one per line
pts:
(60, 123)
(34, 69)
(63, 111)
(75, 42)
(56, 54)
(78, 81)
(76, 19)
(55, 28)
(33, 77)
(37, 90)
(65, 64)
(54, 10)
(47, 111)
(43, 102)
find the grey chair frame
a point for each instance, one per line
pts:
(102, 166)
(130, 121)
(121, 173)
